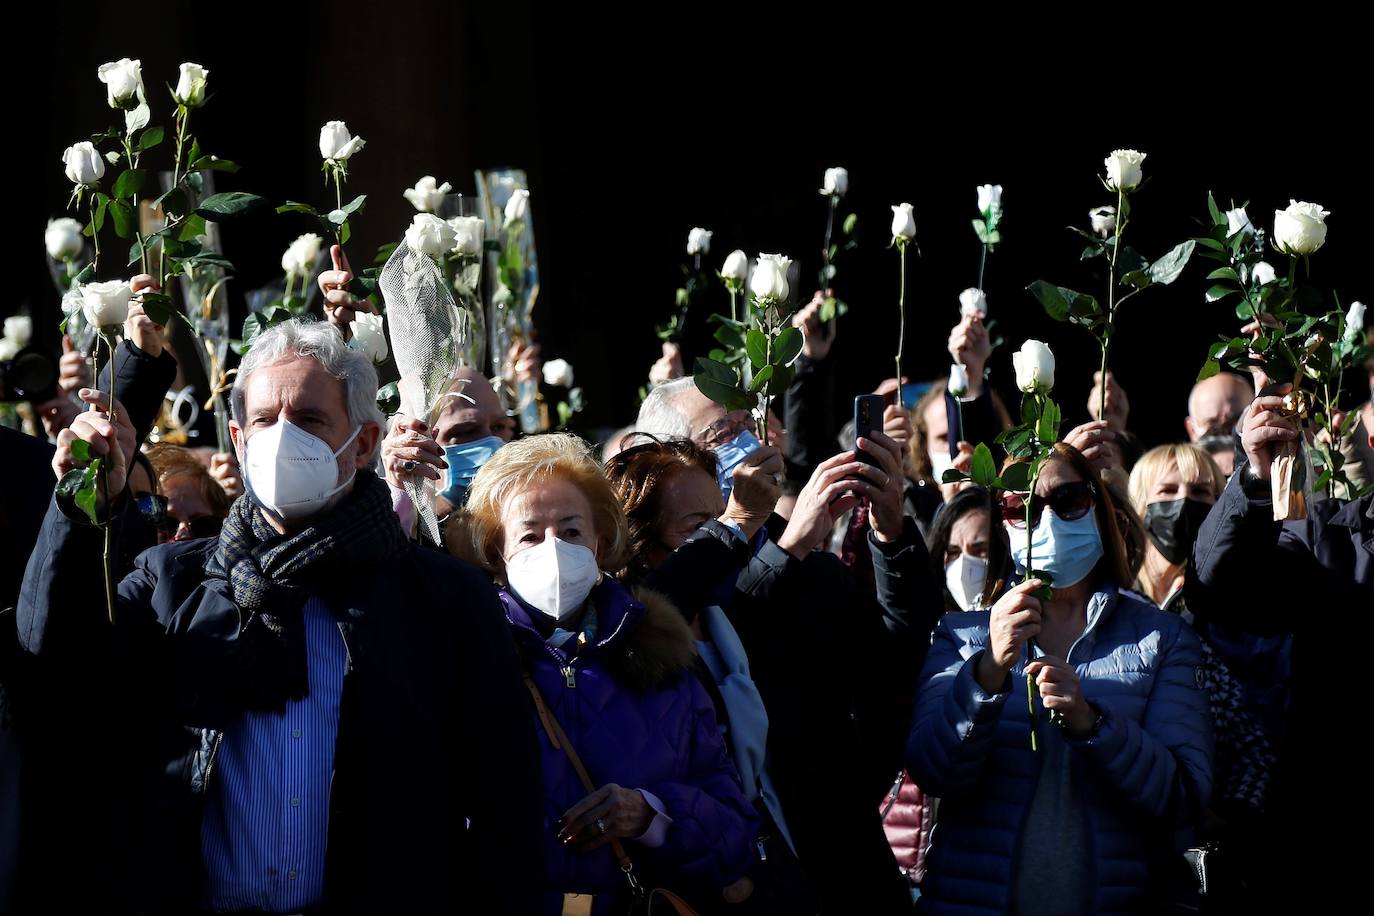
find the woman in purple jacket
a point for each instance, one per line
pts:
(615, 672)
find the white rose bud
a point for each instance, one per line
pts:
(467, 235)
(958, 380)
(903, 222)
(699, 241)
(1238, 220)
(430, 235)
(299, 259)
(8, 349)
(736, 267)
(123, 81)
(1034, 364)
(190, 90)
(63, 239)
(1354, 324)
(19, 329)
(558, 373)
(973, 302)
(518, 206)
(427, 194)
(84, 164)
(836, 182)
(369, 336)
(106, 304)
(337, 144)
(1301, 229)
(989, 198)
(1103, 220)
(1123, 169)
(1263, 272)
(769, 282)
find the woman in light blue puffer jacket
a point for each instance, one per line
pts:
(1088, 821)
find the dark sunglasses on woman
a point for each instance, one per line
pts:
(1070, 501)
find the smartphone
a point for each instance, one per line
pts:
(868, 419)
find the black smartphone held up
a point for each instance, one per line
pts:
(868, 419)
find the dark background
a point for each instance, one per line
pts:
(636, 126)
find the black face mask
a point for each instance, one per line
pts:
(1173, 526)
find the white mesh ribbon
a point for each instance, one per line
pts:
(429, 335)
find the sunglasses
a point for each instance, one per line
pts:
(1070, 501)
(154, 509)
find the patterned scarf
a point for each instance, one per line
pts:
(272, 574)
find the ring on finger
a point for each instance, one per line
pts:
(408, 464)
(601, 826)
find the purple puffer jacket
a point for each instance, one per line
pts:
(638, 718)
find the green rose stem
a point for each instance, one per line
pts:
(734, 314)
(983, 258)
(1030, 643)
(901, 311)
(105, 473)
(182, 115)
(763, 394)
(1111, 305)
(338, 203)
(825, 252)
(132, 162)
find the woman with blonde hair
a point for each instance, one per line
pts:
(1172, 489)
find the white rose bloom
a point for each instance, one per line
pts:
(989, 198)
(369, 336)
(106, 304)
(1354, 323)
(299, 259)
(8, 349)
(430, 235)
(769, 282)
(1034, 364)
(190, 90)
(958, 380)
(427, 194)
(1263, 272)
(1301, 229)
(123, 81)
(558, 373)
(467, 235)
(336, 143)
(973, 302)
(63, 239)
(836, 182)
(1123, 169)
(699, 241)
(19, 329)
(1238, 220)
(84, 164)
(903, 222)
(736, 266)
(1103, 220)
(518, 206)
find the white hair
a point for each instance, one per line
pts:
(660, 415)
(320, 341)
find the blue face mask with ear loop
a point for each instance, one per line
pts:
(728, 457)
(464, 461)
(1067, 550)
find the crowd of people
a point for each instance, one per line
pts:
(693, 665)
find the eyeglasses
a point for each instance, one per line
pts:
(725, 429)
(1070, 501)
(155, 511)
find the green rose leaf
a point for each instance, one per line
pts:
(1047, 430)
(984, 468)
(213, 164)
(158, 307)
(129, 183)
(389, 399)
(1017, 477)
(292, 206)
(756, 346)
(726, 396)
(1170, 267)
(228, 204)
(151, 138)
(123, 216)
(760, 379)
(953, 475)
(81, 450)
(787, 347)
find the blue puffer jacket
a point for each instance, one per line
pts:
(1145, 773)
(638, 718)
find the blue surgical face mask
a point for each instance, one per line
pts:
(1068, 551)
(728, 457)
(464, 461)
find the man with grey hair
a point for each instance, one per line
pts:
(1214, 406)
(330, 717)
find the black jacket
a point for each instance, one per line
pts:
(435, 801)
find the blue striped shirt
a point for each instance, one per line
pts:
(267, 812)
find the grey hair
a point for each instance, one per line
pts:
(659, 414)
(321, 342)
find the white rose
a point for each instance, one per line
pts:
(836, 182)
(1354, 323)
(20, 329)
(1301, 229)
(369, 336)
(1123, 169)
(1103, 220)
(973, 302)
(1238, 220)
(769, 282)
(989, 198)
(903, 222)
(84, 164)
(190, 90)
(336, 143)
(1034, 364)
(427, 194)
(699, 241)
(736, 266)
(517, 206)
(123, 81)
(299, 259)
(1263, 272)
(63, 239)
(8, 349)
(430, 235)
(467, 235)
(958, 380)
(558, 373)
(106, 304)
